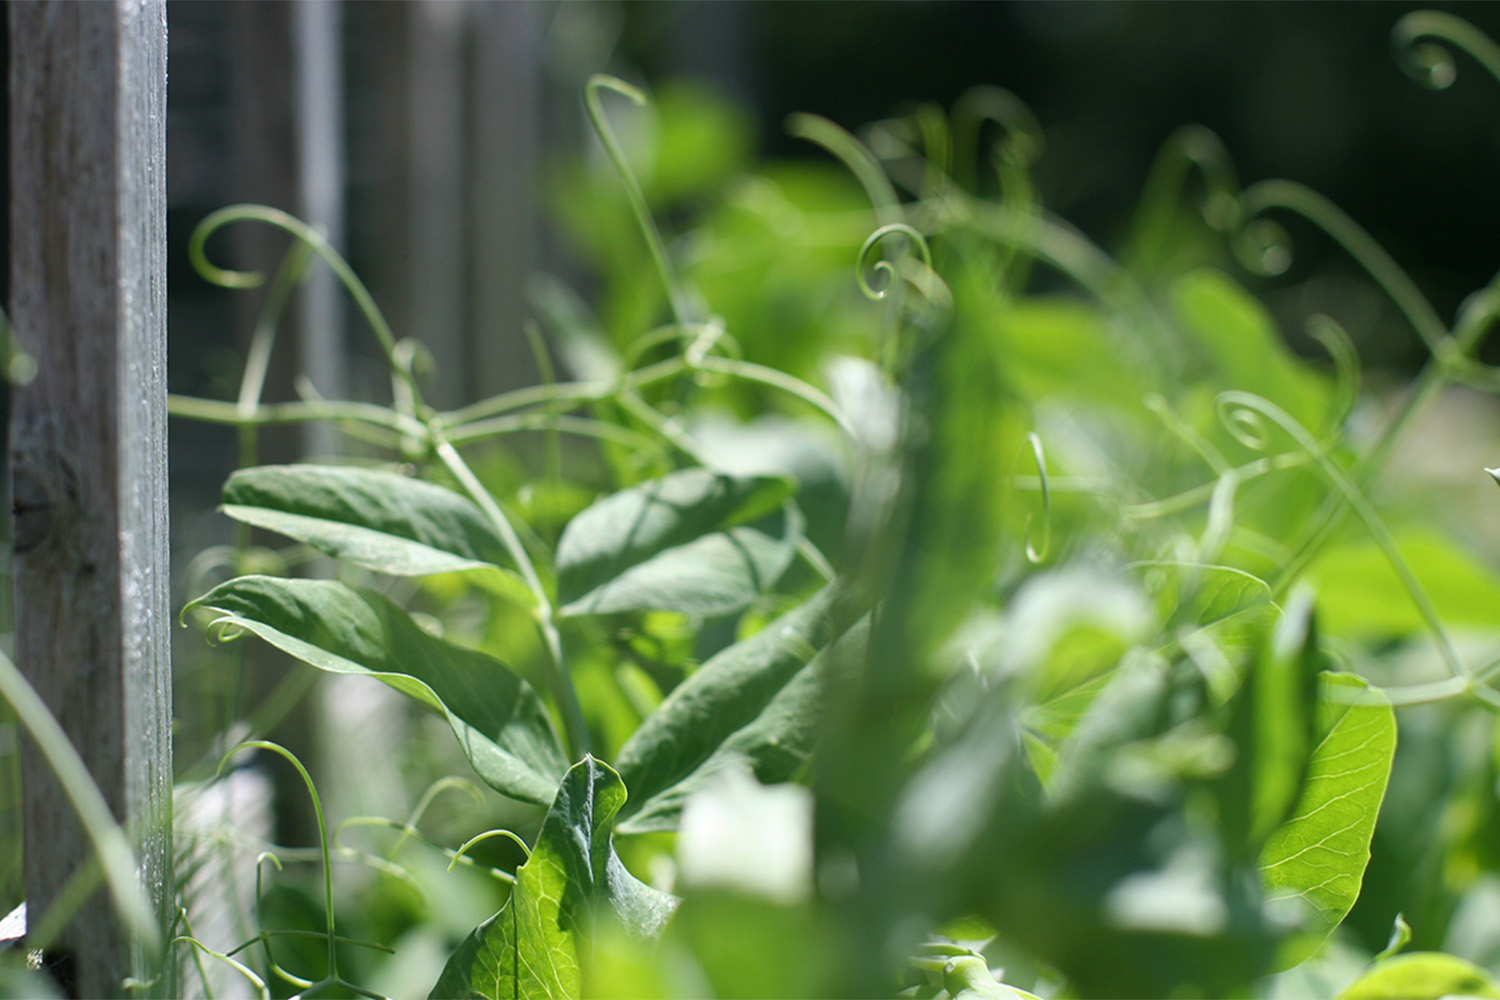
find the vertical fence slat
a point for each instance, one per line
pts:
(88, 440)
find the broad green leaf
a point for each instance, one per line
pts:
(1241, 341)
(501, 724)
(683, 542)
(573, 878)
(1271, 722)
(1318, 856)
(1360, 595)
(1224, 592)
(381, 521)
(1062, 347)
(754, 703)
(1423, 975)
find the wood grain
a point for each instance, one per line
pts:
(88, 439)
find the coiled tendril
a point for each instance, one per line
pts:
(1431, 64)
(922, 280)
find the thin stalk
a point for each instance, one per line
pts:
(214, 411)
(633, 191)
(111, 846)
(318, 244)
(575, 728)
(749, 371)
(568, 395)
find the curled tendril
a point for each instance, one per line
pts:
(312, 791)
(1024, 139)
(855, 157)
(224, 630)
(316, 242)
(633, 192)
(1361, 246)
(1430, 63)
(463, 850)
(1234, 401)
(1263, 247)
(885, 267)
(1245, 423)
(1190, 147)
(1326, 331)
(1037, 554)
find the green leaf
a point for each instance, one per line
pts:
(1360, 595)
(1423, 975)
(1241, 340)
(501, 724)
(532, 947)
(682, 543)
(968, 977)
(381, 521)
(1271, 721)
(754, 703)
(1318, 856)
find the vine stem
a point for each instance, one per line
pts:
(318, 244)
(575, 728)
(633, 191)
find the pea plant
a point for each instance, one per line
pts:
(1049, 640)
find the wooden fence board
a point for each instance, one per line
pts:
(88, 440)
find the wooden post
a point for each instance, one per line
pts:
(88, 444)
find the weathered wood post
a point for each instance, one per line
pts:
(88, 442)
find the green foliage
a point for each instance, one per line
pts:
(680, 543)
(1105, 660)
(498, 719)
(572, 879)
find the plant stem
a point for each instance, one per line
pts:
(575, 728)
(111, 847)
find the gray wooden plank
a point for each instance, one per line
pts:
(88, 441)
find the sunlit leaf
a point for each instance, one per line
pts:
(534, 947)
(1318, 856)
(1272, 723)
(501, 724)
(685, 542)
(1422, 976)
(378, 520)
(752, 704)
(1360, 595)
(1241, 341)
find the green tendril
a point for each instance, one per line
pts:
(855, 157)
(633, 192)
(1429, 63)
(240, 967)
(317, 802)
(1361, 247)
(463, 849)
(1341, 350)
(318, 244)
(1233, 402)
(1192, 147)
(885, 267)
(1037, 554)
(1023, 142)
